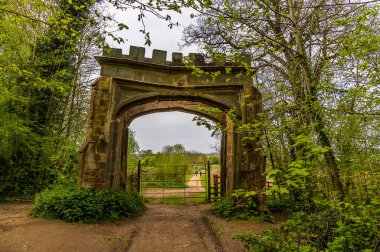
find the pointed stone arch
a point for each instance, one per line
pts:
(131, 86)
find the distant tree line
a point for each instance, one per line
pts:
(172, 155)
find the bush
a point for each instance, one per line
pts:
(240, 206)
(74, 204)
(119, 204)
(334, 226)
(224, 208)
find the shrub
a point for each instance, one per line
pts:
(74, 204)
(224, 208)
(119, 204)
(334, 226)
(240, 206)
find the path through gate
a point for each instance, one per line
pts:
(175, 183)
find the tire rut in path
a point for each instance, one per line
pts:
(174, 228)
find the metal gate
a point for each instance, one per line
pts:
(175, 184)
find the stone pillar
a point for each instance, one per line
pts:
(231, 155)
(124, 153)
(223, 168)
(115, 154)
(253, 161)
(92, 170)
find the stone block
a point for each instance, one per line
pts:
(219, 59)
(137, 53)
(243, 58)
(103, 102)
(98, 130)
(102, 169)
(112, 52)
(177, 59)
(197, 59)
(90, 168)
(94, 137)
(138, 75)
(101, 148)
(103, 157)
(102, 109)
(159, 57)
(97, 157)
(97, 123)
(103, 85)
(100, 116)
(133, 52)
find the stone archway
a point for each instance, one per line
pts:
(132, 85)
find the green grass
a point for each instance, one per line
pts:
(178, 200)
(167, 185)
(150, 181)
(216, 229)
(198, 198)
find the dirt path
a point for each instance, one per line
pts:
(174, 228)
(161, 228)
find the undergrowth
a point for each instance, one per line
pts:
(240, 206)
(332, 226)
(74, 204)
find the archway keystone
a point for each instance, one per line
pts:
(132, 85)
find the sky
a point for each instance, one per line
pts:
(156, 130)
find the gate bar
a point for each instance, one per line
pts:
(139, 176)
(208, 182)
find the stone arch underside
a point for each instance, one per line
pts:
(142, 109)
(195, 108)
(131, 86)
(128, 109)
(132, 93)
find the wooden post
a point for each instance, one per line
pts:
(184, 184)
(139, 176)
(216, 186)
(208, 182)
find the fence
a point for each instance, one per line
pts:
(178, 183)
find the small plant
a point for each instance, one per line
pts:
(245, 202)
(224, 208)
(74, 204)
(240, 206)
(216, 229)
(111, 239)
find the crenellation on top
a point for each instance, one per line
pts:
(137, 53)
(159, 57)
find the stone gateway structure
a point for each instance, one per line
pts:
(131, 86)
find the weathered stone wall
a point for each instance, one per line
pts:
(134, 67)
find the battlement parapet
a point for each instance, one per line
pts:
(159, 58)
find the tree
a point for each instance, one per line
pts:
(294, 46)
(19, 144)
(133, 149)
(39, 78)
